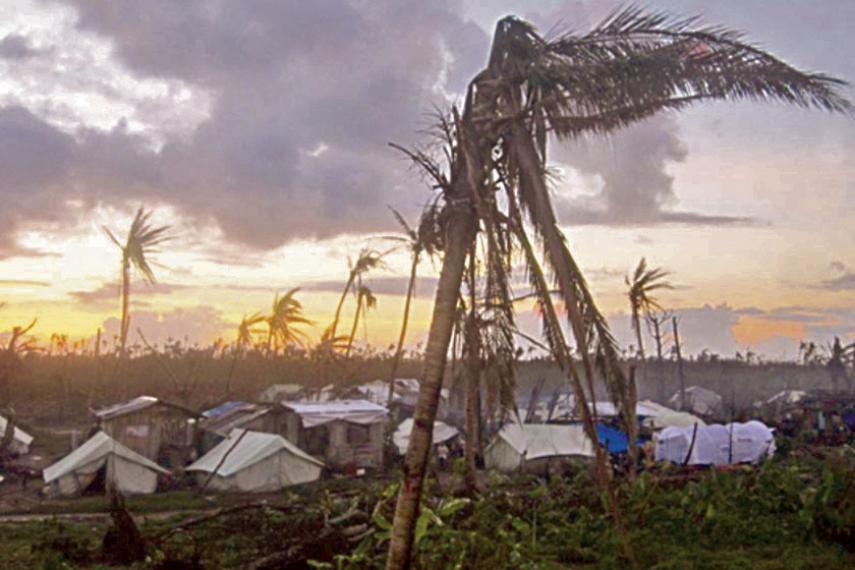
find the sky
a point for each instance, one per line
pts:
(259, 131)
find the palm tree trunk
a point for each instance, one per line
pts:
(459, 234)
(396, 360)
(359, 309)
(341, 299)
(473, 402)
(126, 317)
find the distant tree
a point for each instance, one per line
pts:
(365, 300)
(283, 320)
(139, 245)
(367, 260)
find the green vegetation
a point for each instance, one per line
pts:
(793, 513)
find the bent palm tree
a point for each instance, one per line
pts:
(367, 260)
(365, 300)
(286, 313)
(643, 283)
(423, 239)
(626, 69)
(140, 244)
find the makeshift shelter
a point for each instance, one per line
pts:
(716, 444)
(537, 447)
(404, 398)
(280, 393)
(252, 461)
(239, 415)
(346, 433)
(159, 430)
(100, 462)
(698, 401)
(442, 433)
(657, 416)
(21, 440)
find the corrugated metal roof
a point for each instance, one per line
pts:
(120, 409)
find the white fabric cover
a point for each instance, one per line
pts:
(313, 414)
(257, 462)
(787, 397)
(716, 444)
(129, 471)
(658, 416)
(699, 400)
(442, 432)
(516, 443)
(21, 440)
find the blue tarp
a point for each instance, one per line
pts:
(222, 409)
(614, 440)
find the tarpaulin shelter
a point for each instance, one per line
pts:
(442, 433)
(612, 439)
(103, 460)
(698, 400)
(346, 433)
(716, 444)
(526, 446)
(21, 440)
(657, 416)
(252, 461)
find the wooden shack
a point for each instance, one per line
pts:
(346, 434)
(161, 431)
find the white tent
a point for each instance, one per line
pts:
(442, 432)
(698, 400)
(658, 416)
(257, 462)
(21, 440)
(716, 444)
(517, 444)
(128, 471)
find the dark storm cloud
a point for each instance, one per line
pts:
(16, 47)
(306, 96)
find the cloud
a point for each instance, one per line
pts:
(843, 282)
(635, 187)
(425, 286)
(194, 325)
(305, 96)
(23, 283)
(16, 47)
(108, 293)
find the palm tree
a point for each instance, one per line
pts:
(286, 313)
(140, 244)
(626, 69)
(367, 260)
(423, 239)
(643, 283)
(247, 332)
(365, 300)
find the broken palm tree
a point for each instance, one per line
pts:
(628, 68)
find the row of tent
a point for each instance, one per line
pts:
(245, 461)
(525, 446)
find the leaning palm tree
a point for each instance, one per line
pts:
(285, 316)
(645, 280)
(419, 240)
(367, 260)
(140, 243)
(626, 69)
(365, 300)
(247, 333)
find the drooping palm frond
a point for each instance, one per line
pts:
(643, 282)
(286, 314)
(141, 242)
(247, 330)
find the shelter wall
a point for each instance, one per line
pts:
(147, 431)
